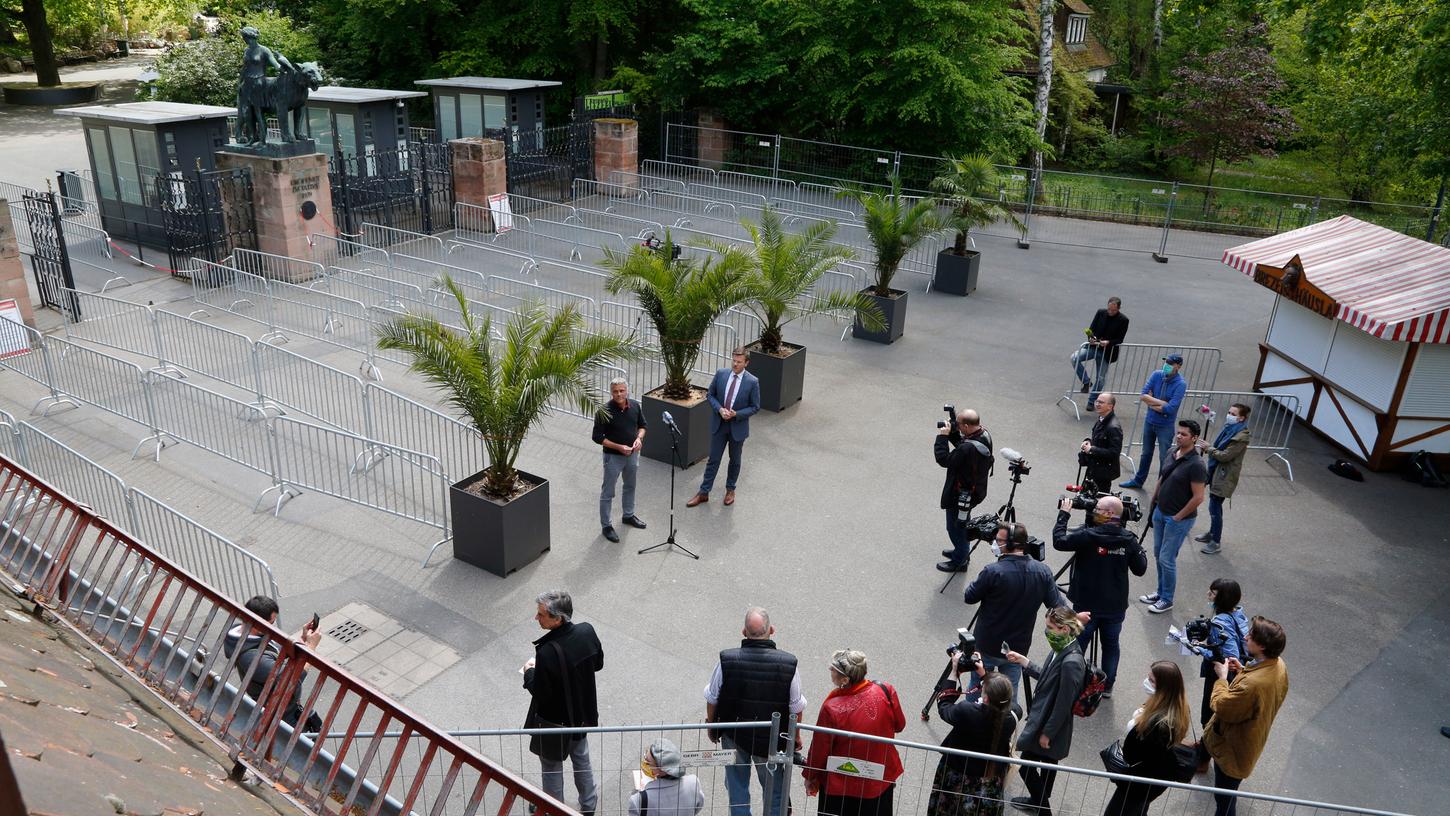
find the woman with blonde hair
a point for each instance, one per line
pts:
(1047, 735)
(1153, 732)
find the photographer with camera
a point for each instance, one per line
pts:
(1010, 592)
(1103, 553)
(1100, 451)
(982, 723)
(1217, 639)
(965, 449)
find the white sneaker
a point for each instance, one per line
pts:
(1160, 606)
(1149, 598)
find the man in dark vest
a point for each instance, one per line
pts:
(750, 684)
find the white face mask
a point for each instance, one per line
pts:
(1233, 418)
(1148, 686)
(996, 550)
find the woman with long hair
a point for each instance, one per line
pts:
(1159, 725)
(966, 786)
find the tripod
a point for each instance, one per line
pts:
(674, 468)
(1004, 513)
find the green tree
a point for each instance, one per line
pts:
(205, 72)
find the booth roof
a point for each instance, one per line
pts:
(1387, 284)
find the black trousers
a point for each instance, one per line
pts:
(1132, 799)
(1038, 782)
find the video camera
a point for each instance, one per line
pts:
(1086, 496)
(1016, 463)
(1197, 632)
(653, 242)
(963, 649)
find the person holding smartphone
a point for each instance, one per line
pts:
(257, 656)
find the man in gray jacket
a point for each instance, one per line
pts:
(1047, 735)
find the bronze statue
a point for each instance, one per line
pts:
(285, 95)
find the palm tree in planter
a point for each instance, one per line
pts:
(896, 224)
(785, 267)
(505, 387)
(960, 185)
(681, 297)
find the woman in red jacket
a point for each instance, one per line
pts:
(858, 775)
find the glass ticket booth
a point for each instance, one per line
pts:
(487, 106)
(129, 145)
(359, 121)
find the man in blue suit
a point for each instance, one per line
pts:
(734, 395)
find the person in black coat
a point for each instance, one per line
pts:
(1103, 555)
(1107, 331)
(982, 722)
(965, 450)
(560, 680)
(1101, 450)
(1148, 746)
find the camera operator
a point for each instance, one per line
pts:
(965, 450)
(1100, 451)
(1010, 592)
(983, 723)
(1103, 553)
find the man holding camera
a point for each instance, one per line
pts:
(1010, 592)
(1103, 553)
(965, 450)
(1105, 334)
(1181, 483)
(1100, 451)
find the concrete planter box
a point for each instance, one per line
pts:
(893, 308)
(28, 93)
(500, 536)
(956, 274)
(693, 421)
(782, 379)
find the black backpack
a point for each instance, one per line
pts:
(1421, 469)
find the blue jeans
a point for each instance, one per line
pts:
(957, 534)
(718, 443)
(614, 465)
(1011, 671)
(1100, 364)
(1168, 538)
(1215, 518)
(737, 782)
(583, 776)
(1162, 435)
(1111, 626)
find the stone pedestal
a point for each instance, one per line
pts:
(616, 147)
(713, 141)
(12, 271)
(479, 170)
(291, 199)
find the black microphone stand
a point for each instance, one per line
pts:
(674, 466)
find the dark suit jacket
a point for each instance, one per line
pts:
(747, 402)
(1110, 328)
(1103, 466)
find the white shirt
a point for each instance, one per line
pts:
(797, 700)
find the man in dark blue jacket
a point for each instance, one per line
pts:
(1011, 591)
(1103, 554)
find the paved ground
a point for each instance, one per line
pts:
(836, 531)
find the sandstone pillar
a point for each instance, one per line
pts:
(616, 147)
(12, 271)
(712, 140)
(479, 171)
(291, 199)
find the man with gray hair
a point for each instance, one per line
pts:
(619, 428)
(560, 680)
(750, 684)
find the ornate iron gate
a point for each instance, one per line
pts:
(408, 188)
(544, 163)
(206, 215)
(49, 261)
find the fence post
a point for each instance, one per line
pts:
(1161, 256)
(1024, 240)
(427, 191)
(775, 163)
(895, 171)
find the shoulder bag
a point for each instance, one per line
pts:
(554, 747)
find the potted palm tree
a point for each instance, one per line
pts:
(505, 387)
(681, 297)
(785, 268)
(960, 185)
(896, 224)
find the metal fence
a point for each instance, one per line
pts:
(1136, 362)
(1271, 419)
(173, 640)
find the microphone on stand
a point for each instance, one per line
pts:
(670, 422)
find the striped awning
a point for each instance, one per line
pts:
(1385, 283)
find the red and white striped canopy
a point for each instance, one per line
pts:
(1387, 284)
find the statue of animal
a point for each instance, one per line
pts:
(286, 96)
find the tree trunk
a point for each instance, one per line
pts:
(42, 48)
(1157, 25)
(1045, 10)
(601, 56)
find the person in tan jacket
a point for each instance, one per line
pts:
(1244, 709)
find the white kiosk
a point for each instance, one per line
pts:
(1360, 332)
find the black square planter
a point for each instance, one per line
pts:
(693, 422)
(894, 309)
(782, 379)
(497, 536)
(956, 274)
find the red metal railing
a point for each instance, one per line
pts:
(170, 630)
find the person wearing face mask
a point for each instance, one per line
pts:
(1225, 460)
(1226, 633)
(1159, 725)
(1244, 709)
(984, 724)
(1047, 735)
(670, 791)
(865, 707)
(1162, 395)
(1102, 555)
(1010, 592)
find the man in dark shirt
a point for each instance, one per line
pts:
(1181, 482)
(1100, 451)
(1102, 554)
(1010, 592)
(560, 681)
(619, 428)
(966, 452)
(1105, 334)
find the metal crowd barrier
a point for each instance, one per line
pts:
(684, 173)
(328, 250)
(1270, 423)
(276, 267)
(173, 640)
(1136, 361)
